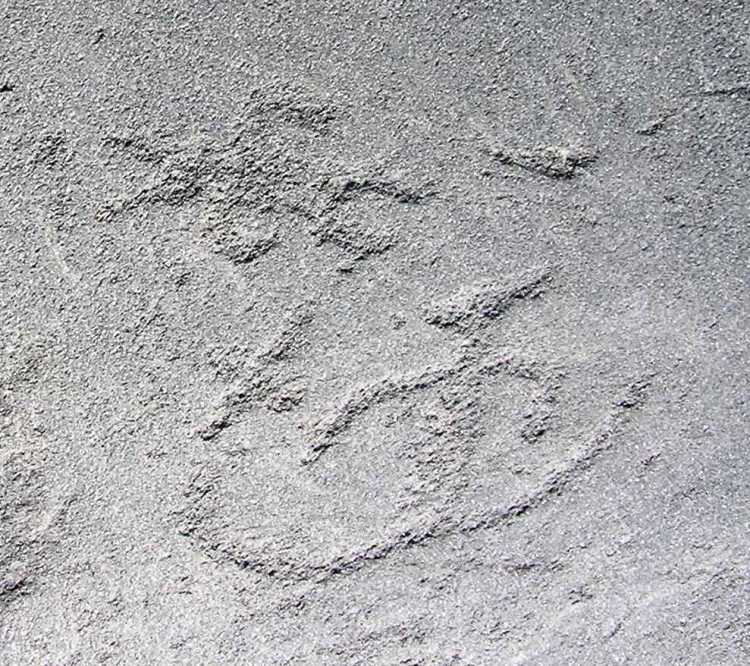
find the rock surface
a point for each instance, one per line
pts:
(374, 333)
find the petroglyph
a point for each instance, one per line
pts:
(399, 460)
(555, 162)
